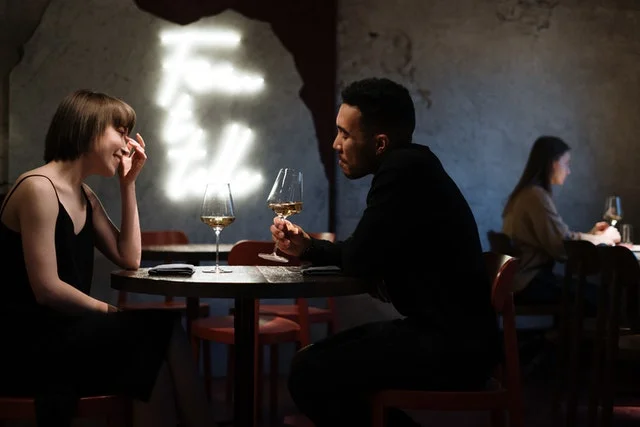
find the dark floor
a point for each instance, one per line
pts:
(537, 396)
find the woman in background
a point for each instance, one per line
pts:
(59, 343)
(532, 222)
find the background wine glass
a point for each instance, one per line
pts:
(613, 210)
(285, 199)
(217, 212)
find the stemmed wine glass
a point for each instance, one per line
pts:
(285, 199)
(613, 210)
(217, 212)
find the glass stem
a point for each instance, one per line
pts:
(217, 231)
(275, 247)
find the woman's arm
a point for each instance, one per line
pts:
(37, 215)
(550, 229)
(122, 247)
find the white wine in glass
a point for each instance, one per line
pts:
(285, 199)
(613, 210)
(217, 212)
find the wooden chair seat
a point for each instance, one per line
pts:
(291, 312)
(297, 420)
(116, 410)
(163, 305)
(271, 329)
(630, 343)
(539, 310)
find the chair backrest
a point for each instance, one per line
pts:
(502, 243)
(502, 269)
(494, 261)
(582, 257)
(582, 261)
(620, 275)
(164, 237)
(245, 252)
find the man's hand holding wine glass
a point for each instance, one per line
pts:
(290, 238)
(285, 199)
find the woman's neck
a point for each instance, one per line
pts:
(70, 172)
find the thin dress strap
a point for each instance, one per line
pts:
(6, 199)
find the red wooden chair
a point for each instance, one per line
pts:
(271, 330)
(161, 237)
(116, 410)
(507, 393)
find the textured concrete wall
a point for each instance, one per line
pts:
(488, 77)
(111, 46)
(18, 20)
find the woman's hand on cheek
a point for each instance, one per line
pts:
(131, 165)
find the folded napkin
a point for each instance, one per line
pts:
(172, 270)
(320, 271)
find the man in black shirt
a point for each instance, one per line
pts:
(418, 239)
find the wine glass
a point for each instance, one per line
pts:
(613, 210)
(285, 199)
(217, 212)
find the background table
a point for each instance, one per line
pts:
(193, 253)
(246, 285)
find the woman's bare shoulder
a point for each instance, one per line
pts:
(34, 187)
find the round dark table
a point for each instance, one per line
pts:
(246, 285)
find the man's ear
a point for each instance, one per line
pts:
(382, 143)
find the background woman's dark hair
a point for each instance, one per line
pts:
(81, 118)
(385, 107)
(545, 151)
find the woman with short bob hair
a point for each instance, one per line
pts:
(59, 343)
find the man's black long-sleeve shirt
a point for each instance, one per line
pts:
(419, 235)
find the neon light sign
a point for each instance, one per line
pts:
(187, 73)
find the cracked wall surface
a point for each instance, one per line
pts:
(18, 21)
(487, 77)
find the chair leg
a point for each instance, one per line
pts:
(259, 381)
(206, 367)
(122, 418)
(231, 353)
(273, 384)
(497, 418)
(196, 343)
(378, 415)
(597, 359)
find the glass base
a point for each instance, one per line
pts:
(273, 257)
(216, 269)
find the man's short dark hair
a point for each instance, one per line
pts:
(386, 107)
